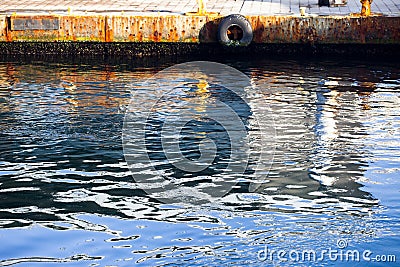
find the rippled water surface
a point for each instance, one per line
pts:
(67, 196)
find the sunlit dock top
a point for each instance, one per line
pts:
(224, 7)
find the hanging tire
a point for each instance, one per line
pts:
(235, 30)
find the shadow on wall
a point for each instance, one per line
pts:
(208, 33)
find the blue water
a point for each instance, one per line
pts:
(68, 198)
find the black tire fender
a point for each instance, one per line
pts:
(235, 21)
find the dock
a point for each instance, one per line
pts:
(66, 26)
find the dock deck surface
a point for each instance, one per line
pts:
(225, 7)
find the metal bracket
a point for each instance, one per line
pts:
(22, 24)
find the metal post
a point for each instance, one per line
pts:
(202, 7)
(366, 7)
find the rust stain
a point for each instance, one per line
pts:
(154, 29)
(3, 28)
(83, 28)
(335, 30)
(109, 29)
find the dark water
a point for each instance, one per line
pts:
(67, 196)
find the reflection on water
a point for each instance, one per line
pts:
(194, 132)
(67, 194)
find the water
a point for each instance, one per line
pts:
(68, 197)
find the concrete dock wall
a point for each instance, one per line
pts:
(198, 29)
